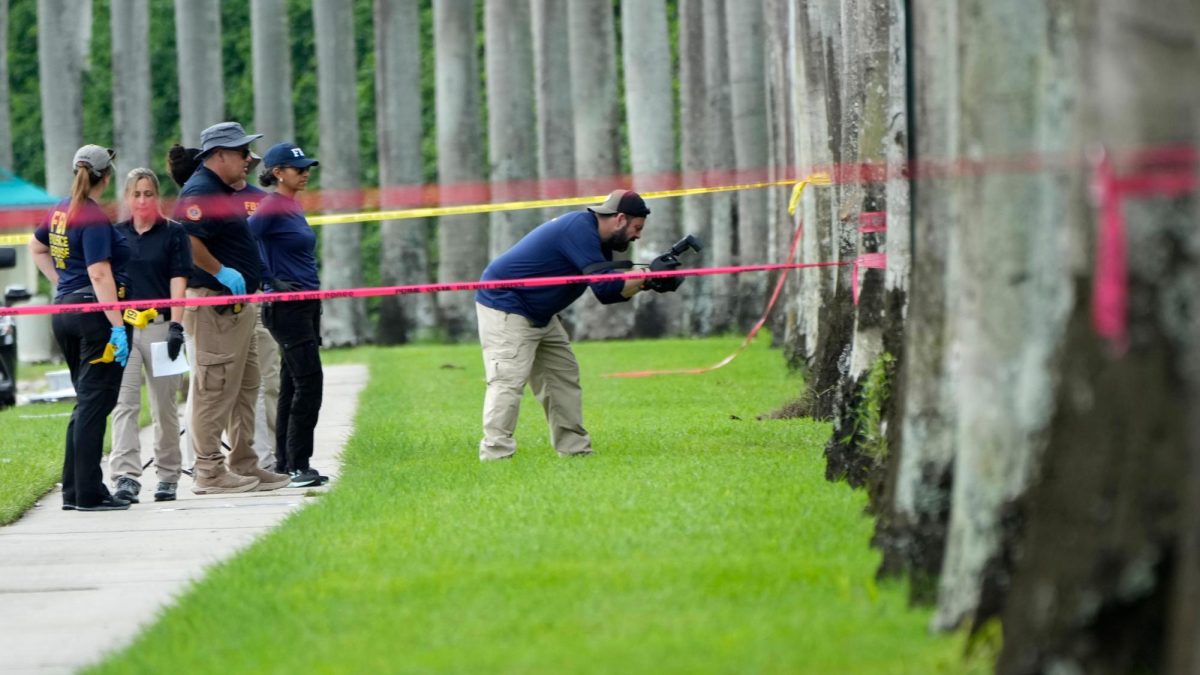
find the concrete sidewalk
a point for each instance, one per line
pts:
(75, 586)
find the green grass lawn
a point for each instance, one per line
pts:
(696, 539)
(31, 455)
(31, 448)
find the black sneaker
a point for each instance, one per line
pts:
(68, 506)
(165, 492)
(112, 503)
(128, 489)
(307, 478)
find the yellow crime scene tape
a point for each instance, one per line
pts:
(472, 209)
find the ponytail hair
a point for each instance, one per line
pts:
(86, 178)
(267, 178)
(182, 163)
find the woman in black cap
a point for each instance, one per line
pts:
(288, 246)
(78, 250)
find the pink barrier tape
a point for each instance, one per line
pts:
(872, 221)
(1110, 280)
(1161, 172)
(421, 196)
(868, 261)
(788, 265)
(209, 301)
(797, 235)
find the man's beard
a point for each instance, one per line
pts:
(619, 241)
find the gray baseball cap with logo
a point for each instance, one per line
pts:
(96, 157)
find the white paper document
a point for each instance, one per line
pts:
(162, 365)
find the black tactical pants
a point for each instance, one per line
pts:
(296, 326)
(82, 338)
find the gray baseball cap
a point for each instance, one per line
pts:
(98, 158)
(225, 135)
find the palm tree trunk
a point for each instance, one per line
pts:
(132, 127)
(555, 116)
(693, 158)
(594, 90)
(60, 60)
(748, 95)
(398, 104)
(1111, 503)
(344, 322)
(201, 82)
(823, 306)
(781, 127)
(273, 114)
(6, 140)
(652, 149)
(1010, 318)
(718, 139)
(854, 451)
(511, 125)
(462, 240)
(913, 541)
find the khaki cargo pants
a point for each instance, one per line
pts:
(515, 353)
(225, 389)
(126, 457)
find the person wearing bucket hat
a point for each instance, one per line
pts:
(225, 261)
(182, 162)
(522, 337)
(288, 246)
(79, 251)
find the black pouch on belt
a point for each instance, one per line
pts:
(236, 308)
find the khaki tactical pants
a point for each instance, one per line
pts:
(515, 353)
(267, 402)
(126, 457)
(225, 385)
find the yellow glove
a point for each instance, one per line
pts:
(110, 354)
(140, 319)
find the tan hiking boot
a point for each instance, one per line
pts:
(268, 480)
(224, 482)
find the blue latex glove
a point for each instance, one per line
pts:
(120, 341)
(231, 279)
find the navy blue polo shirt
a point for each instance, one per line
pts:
(562, 247)
(250, 197)
(88, 238)
(211, 212)
(161, 254)
(287, 242)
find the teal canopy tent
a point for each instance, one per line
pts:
(15, 191)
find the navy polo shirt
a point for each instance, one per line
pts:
(562, 247)
(161, 254)
(287, 242)
(250, 197)
(211, 212)
(88, 238)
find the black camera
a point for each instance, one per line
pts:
(670, 261)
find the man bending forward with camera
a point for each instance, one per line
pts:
(524, 340)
